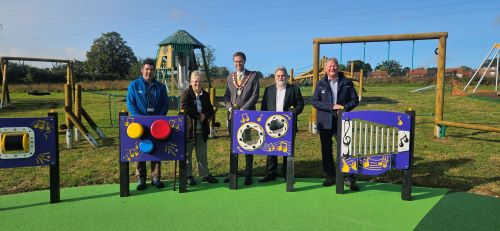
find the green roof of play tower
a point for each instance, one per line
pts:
(182, 37)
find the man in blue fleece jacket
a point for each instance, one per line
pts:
(147, 97)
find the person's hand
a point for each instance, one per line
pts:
(338, 107)
(202, 117)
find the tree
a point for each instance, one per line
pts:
(392, 67)
(221, 72)
(110, 57)
(210, 57)
(405, 71)
(466, 68)
(358, 65)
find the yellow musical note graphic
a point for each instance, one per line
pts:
(245, 117)
(271, 148)
(283, 146)
(133, 153)
(345, 166)
(400, 122)
(366, 162)
(175, 124)
(128, 121)
(42, 125)
(354, 166)
(383, 162)
(260, 118)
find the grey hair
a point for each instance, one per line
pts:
(333, 59)
(197, 74)
(281, 68)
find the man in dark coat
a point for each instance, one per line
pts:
(333, 92)
(280, 96)
(242, 91)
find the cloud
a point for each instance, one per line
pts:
(175, 14)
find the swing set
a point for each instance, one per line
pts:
(72, 102)
(440, 124)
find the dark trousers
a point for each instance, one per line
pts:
(248, 165)
(272, 165)
(155, 169)
(326, 136)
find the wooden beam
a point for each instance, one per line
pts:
(381, 38)
(9, 58)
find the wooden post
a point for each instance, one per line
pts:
(352, 69)
(360, 93)
(440, 85)
(86, 134)
(291, 76)
(92, 124)
(69, 124)
(55, 195)
(77, 108)
(212, 124)
(3, 101)
(406, 181)
(69, 80)
(124, 166)
(313, 120)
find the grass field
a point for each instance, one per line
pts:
(465, 160)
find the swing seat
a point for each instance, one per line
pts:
(35, 92)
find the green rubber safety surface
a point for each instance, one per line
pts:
(262, 206)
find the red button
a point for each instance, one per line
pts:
(160, 129)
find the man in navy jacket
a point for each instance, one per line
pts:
(333, 92)
(147, 97)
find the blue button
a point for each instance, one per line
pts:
(146, 146)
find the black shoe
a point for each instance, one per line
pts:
(351, 183)
(191, 181)
(226, 180)
(329, 181)
(210, 179)
(141, 184)
(157, 183)
(248, 181)
(267, 178)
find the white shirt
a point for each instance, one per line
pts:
(240, 75)
(333, 87)
(280, 98)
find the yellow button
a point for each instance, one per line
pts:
(135, 130)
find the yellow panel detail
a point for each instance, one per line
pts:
(26, 142)
(2, 144)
